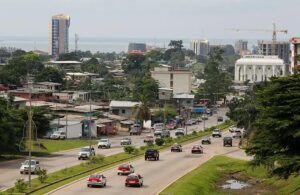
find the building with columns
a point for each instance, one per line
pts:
(257, 68)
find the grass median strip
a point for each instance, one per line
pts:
(207, 179)
(70, 174)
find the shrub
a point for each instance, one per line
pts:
(169, 140)
(129, 149)
(20, 185)
(143, 147)
(149, 143)
(97, 158)
(194, 132)
(135, 151)
(42, 175)
(159, 141)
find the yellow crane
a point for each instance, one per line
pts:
(274, 33)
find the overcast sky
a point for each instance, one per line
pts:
(152, 18)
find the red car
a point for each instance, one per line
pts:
(176, 148)
(170, 126)
(197, 149)
(134, 180)
(125, 169)
(96, 180)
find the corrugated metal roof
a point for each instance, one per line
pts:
(123, 104)
(183, 96)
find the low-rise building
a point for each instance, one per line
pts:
(80, 77)
(184, 100)
(51, 86)
(257, 68)
(64, 65)
(123, 108)
(33, 94)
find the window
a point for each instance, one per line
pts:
(123, 111)
(171, 76)
(163, 93)
(171, 84)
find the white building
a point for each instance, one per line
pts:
(258, 68)
(178, 80)
(123, 108)
(200, 47)
(295, 51)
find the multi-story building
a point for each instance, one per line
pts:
(241, 46)
(178, 80)
(200, 47)
(295, 51)
(257, 68)
(59, 35)
(136, 48)
(282, 49)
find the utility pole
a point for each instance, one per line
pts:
(90, 127)
(29, 138)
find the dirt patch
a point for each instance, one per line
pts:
(255, 186)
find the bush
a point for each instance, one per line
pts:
(194, 133)
(143, 147)
(169, 140)
(42, 175)
(129, 149)
(149, 144)
(20, 185)
(159, 141)
(97, 158)
(135, 151)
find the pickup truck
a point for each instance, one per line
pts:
(86, 153)
(104, 143)
(58, 135)
(152, 154)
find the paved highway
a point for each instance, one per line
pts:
(10, 169)
(157, 174)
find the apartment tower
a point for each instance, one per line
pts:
(200, 47)
(59, 35)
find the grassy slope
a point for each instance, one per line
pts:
(203, 179)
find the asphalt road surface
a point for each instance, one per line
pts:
(157, 174)
(10, 169)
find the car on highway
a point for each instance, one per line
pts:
(34, 167)
(152, 154)
(134, 179)
(125, 141)
(96, 180)
(197, 149)
(86, 153)
(125, 169)
(136, 129)
(149, 139)
(179, 131)
(206, 140)
(220, 119)
(237, 133)
(216, 133)
(104, 143)
(227, 141)
(176, 148)
(58, 135)
(232, 128)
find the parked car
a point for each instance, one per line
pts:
(152, 154)
(204, 117)
(197, 149)
(149, 139)
(165, 133)
(96, 180)
(125, 141)
(176, 148)
(237, 133)
(179, 131)
(134, 179)
(34, 166)
(158, 126)
(86, 153)
(206, 140)
(220, 119)
(135, 129)
(158, 132)
(104, 143)
(232, 128)
(216, 133)
(227, 141)
(191, 122)
(58, 135)
(125, 169)
(171, 126)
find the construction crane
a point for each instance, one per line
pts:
(274, 34)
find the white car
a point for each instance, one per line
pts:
(237, 133)
(34, 167)
(86, 153)
(179, 131)
(104, 143)
(125, 141)
(216, 133)
(58, 135)
(96, 180)
(158, 126)
(158, 132)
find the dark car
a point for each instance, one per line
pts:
(197, 149)
(220, 119)
(152, 154)
(206, 140)
(136, 129)
(227, 141)
(176, 148)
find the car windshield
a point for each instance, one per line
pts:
(124, 166)
(27, 162)
(104, 140)
(95, 176)
(132, 177)
(85, 149)
(126, 138)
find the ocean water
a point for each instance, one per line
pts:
(95, 44)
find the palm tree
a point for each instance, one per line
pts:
(142, 111)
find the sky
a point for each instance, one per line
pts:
(152, 18)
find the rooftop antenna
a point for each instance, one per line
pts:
(76, 42)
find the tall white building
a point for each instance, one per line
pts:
(180, 81)
(257, 68)
(59, 35)
(200, 47)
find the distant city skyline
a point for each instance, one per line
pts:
(157, 19)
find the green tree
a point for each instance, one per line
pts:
(176, 44)
(155, 55)
(51, 75)
(133, 64)
(144, 85)
(275, 141)
(69, 56)
(142, 111)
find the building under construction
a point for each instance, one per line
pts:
(282, 49)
